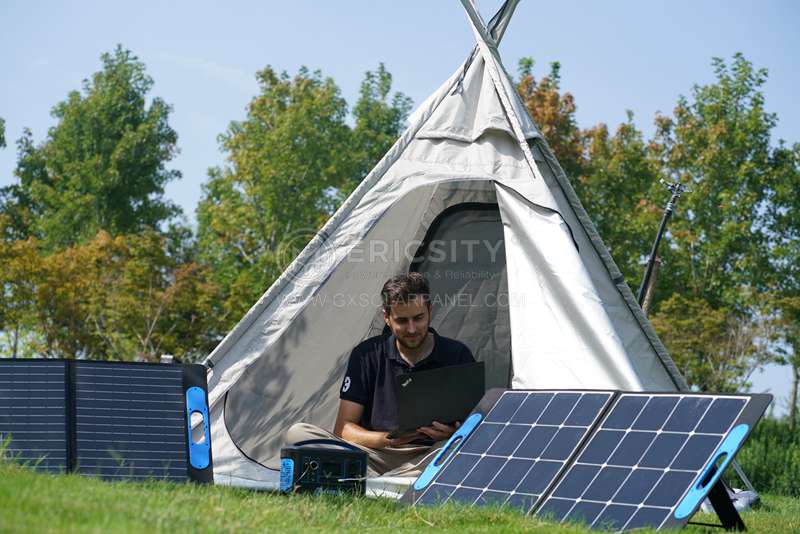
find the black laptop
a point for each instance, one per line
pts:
(445, 394)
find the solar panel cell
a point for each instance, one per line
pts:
(584, 512)
(632, 447)
(663, 450)
(465, 495)
(625, 412)
(601, 446)
(575, 482)
(436, 494)
(536, 441)
(482, 438)
(654, 413)
(720, 415)
(687, 414)
(614, 517)
(483, 473)
(555, 509)
(540, 475)
(695, 452)
(492, 498)
(670, 488)
(563, 443)
(637, 486)
(587, 409)
(559, 409)
(511, 474)
(508, 440)
(532, 408)
(458, 468)
(521, 501)
(505, 408)
(606, 483)
(647, 517)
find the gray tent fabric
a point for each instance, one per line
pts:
(472, 196)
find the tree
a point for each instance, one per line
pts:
(103, 165)
(2, 132)
(285, 161)
(554, 114)
(290, 163)
(717, 252)
(784, 235)
(116, 298)
(619, 188)
(378, 123)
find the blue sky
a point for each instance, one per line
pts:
(203, 55)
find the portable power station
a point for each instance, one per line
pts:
(336, 467)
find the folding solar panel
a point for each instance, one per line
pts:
(611, 460)
(110, 419)
(33, 412)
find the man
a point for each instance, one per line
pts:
(367, 406)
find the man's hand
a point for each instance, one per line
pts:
(438, 431)
(402, 440)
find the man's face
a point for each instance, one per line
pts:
(409, 322)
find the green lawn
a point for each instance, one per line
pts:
(37, 503)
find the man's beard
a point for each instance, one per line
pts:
(405, 343)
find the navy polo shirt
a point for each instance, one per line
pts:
(375, 362)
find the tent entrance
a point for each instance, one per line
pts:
(463, 257)
(452, 232)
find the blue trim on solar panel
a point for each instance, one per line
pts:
(452, 446)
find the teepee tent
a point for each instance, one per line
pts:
(471, 196)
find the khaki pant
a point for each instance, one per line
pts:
(407, 460)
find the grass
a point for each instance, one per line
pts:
(40, 503)
(771, 457)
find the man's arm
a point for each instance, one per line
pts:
(348, 429)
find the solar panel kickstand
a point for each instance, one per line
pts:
(723, 506)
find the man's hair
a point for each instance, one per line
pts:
(403, 288)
